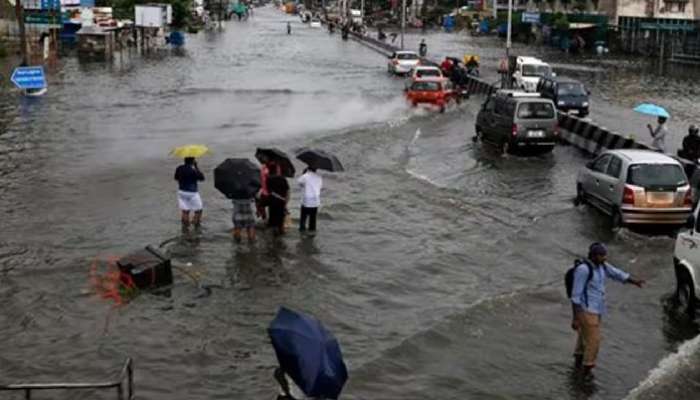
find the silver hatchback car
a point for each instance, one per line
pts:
(636, 187)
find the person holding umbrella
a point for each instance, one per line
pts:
(187, 175)
(277, 200)
(659, 135)
(239, 180)
(311, 184)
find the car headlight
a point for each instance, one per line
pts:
(585, 104)
(560, 103)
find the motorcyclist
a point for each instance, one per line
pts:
(446, 67)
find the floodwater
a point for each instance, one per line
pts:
(439, 264)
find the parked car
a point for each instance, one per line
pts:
(435, 91)
(425, 71)
(686, 264)
(402, 62)
(636, 187)
(512, 120)
(529, 71)
(567, 94)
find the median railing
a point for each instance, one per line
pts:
(124, 385)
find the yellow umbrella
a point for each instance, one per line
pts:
(190, 150)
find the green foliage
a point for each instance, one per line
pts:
(580, 5)
(561, 22)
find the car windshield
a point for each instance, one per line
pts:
(656, 176)
(535, 111)
(407, 56)
(536, 70)
(571, 89)
(426, 86)
(427, 72)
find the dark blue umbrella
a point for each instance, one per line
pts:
(308, 353)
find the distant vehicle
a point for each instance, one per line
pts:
(402, 62)
(528, 71)
(686, 264)
(356, 16)
(568, 94)
(434, 91)
(315, 23)
(512, 120)
(636, 187)
(425, 71)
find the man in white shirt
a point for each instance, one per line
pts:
(311, 184)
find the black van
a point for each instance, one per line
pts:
(567, 94)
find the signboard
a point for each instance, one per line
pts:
(29, 77)
(52, 18)
(41, 4)
(531, 17)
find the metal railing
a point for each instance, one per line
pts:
(127, 372)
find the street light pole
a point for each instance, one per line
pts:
(403, 20)
(510, 17)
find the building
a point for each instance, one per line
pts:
(659, 9)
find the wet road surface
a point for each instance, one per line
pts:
(439, 264)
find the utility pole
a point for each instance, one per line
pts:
(495, 9)
(510, 17)
(19, 13)
(362, 11)
(403, 20)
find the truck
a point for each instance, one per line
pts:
(356, 16)
(528, 71)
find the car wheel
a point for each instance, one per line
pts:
(580, 196)
(616, 220)
(685, 294)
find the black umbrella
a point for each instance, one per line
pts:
(278, 156)
(237, 178)
(320, 159)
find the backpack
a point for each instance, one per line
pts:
(569, 279)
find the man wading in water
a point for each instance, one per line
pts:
(187, 175)
(588, 301)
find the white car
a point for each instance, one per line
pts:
(636, 187)
(425, 71)
(402, 62)
(528, 71)
(315, 23)
(686, 263)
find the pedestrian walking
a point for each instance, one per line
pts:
(423, 48)
(311, 184)
(659, 135)
(289, 28)
(243, 218)
(588, 302)
(277, 200)
(187, 175)
(691, 145)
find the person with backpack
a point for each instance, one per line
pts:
(585, 284)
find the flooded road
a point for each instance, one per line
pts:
(439, 264)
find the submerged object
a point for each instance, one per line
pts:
(147, 268)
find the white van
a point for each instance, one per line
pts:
(528, 71)
(356, 16)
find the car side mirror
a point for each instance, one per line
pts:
(589, 164)
(690, 222)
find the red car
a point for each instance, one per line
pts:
(435, 91)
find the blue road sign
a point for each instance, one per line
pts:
(531, 17)
(29, 77)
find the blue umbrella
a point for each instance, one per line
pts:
(308, 353)
(652, 109)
